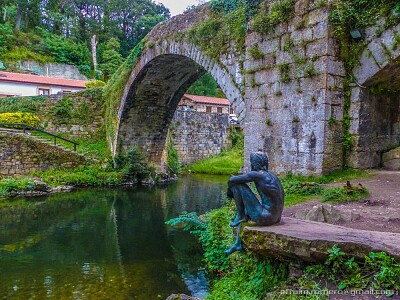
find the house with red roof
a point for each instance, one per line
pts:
(18, 84)
(206, 104)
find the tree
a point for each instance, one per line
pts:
(206, 86)
(111, 58)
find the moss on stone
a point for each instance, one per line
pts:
(114, 90)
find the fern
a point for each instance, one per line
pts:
(189, 222)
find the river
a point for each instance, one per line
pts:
(106, 243)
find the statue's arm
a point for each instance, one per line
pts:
(245, 178)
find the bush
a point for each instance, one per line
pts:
(95, 84)
(134, 165)
(20, 118)
(30, 104)
(10, 184)
(343, 194)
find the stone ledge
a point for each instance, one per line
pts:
(309, 241)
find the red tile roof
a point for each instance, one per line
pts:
(37, 79)
(207, 100)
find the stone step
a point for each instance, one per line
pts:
(309, 241)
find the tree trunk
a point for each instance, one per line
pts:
(5, 14)
(19, 18)
(94, 52)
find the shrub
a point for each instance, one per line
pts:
(134, 165)
(20, 118)
(343, 194)
(95, 84)
(10, 184)
(172, 157)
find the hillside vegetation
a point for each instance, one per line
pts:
(61, 31)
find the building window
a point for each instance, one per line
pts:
(44, 91)
(208, 109)
(66, 91)
(219, 110)
(231, 110)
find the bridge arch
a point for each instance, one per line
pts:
(375, 113)
(165, 70)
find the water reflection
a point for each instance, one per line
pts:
(106, 243)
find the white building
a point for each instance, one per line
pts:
(206, 104)
(17, 84)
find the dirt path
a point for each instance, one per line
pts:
(380, 211)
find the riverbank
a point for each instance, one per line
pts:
(246, 276)
(127, 170)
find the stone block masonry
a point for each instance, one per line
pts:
(21, 155)
(198, 135)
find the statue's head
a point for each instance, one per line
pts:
(258, 161)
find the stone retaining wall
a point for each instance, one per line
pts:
(198, 135)
(21, 155)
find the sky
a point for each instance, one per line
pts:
(177, 7)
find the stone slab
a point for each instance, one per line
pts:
(309, 241)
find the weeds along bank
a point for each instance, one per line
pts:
(78, 117)
(244, 275)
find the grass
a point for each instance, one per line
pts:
(336, 176)
(95, 147)
(80, 176)
(293, 199)
(227, 163)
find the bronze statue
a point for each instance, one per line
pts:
(264, 212)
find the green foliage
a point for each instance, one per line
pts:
(49, 31)
(236, 137)
(20, 118)
(343, 194)
(172, 156)
(111, 59)
(253, 278)
(229, 6)
(243, 276)
(293, 186)
(206, 86)
(214, 234)
(350, 14)
(23, 54)
(190, 222)
(9, 185)
(284, 70)
(226, 163)
(22, 104)
(256, 52)
(220, 31)
(80, 176)
(379, 271)
(310, 71)
(114, 89)
(95, 84)
(345, 16)
(134, 165)
(272, 14)
(63, 110)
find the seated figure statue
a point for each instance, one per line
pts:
(264, 212)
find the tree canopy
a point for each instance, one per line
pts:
(61, 30)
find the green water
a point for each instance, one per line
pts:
(106, 243)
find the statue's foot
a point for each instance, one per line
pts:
(237, 221)
(234, 248)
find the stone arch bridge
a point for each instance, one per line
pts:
(298, 122)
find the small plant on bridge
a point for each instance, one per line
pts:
(172, 156)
